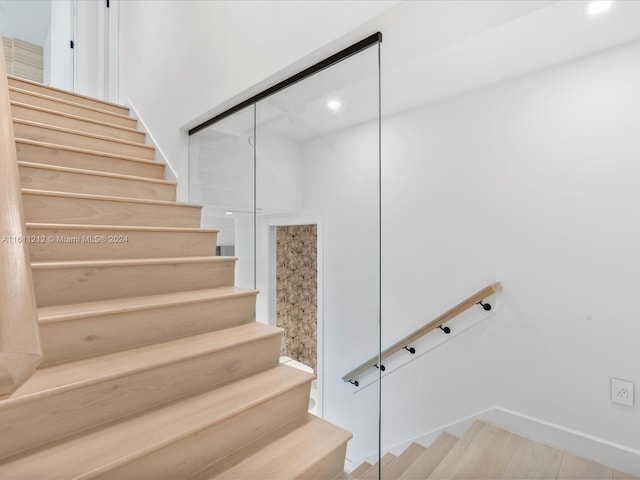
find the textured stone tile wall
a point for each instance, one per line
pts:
(296, 273)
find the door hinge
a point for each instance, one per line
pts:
(71, 44)
(107, 3)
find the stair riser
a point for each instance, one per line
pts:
(68, 244)
(53, 416)
(330, 466)
(91, 336)
(204, 448)
(47, 117)
(60, 286)
(70, 97)
(43, 134)
(61, 181)
(72, 109)
(87, 161)
(53, 209)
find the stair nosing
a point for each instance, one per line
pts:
(86, 151)
(67, 102)
(109, 307)
(78, 117)
(94, 136)
(130, 262)
(158, 362)
(80, 95)
(96, 173)
(108, 198)
(141, 228)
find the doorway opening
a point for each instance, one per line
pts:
(295, 297)
(297, 291)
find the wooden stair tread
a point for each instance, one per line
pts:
(82, 139)
(386, 460)
(98, 369)
(451, 460)
(75, 117)
(71, 332)
(89, 196)
(46, 166)
(577, 468)
(49, 207)
(363, 467)
(68, 282)
(128, 262)
(61, 313)
(372, 472)
(60, 242)
(83, 134)
(108, 447)
(617, 475)
(402, 462)
(76, 226)
(39, 176)
(63, 148)
(311, 441)
(74, 108)
(533, 460)
(487, 456)
(49, 88)
(67, 102)
(430, 458)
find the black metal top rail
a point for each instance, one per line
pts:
(307, 72)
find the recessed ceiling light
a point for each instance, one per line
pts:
(228, 212)
(334, 105)
(597, 7)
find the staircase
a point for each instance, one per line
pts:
(154, 367)
(485, 452)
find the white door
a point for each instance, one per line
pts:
(96, 48)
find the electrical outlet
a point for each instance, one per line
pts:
(622, 392)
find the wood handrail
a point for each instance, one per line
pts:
(432, 325)
(20, 350)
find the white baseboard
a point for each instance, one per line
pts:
(170, 171)
(602, 451)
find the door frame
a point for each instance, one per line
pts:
(272, 296)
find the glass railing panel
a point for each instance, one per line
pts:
(221, 178)
(318, 230)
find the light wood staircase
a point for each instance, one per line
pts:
(154, 367)
(485, 452)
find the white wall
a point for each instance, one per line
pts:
(181, 60)
(532, 182)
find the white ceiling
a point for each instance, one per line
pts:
(437, 49)
(557, 33)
